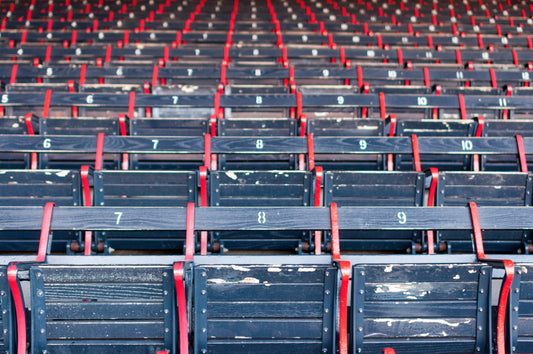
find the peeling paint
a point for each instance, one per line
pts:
(306, 269)
(231, 175)
(242, 269)
(242, 337)
(388, 269)
(274, 269)
(247, 280)
(62, 173)
(472, 271)
(457, 277)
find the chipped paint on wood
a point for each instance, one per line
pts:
(247, 280)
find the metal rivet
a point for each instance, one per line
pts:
(483, 272)
(4, 312)
(327, 292)
(481, 291)
(41, 312)
(165, 292)
(204, 330)
(166, 311)
(515, 308)
(478, 349)
(359, 350)
(361, 292)
(362, 273)
(324, 350)
(204, 350)
(40, 293)
(165, 274)
(516, 290)
(360, 310)
(39, 274)
(167, 330)
(360, 329)
(327, 274)
(2, 293)
(42, 330)
(480, 328)
(204, 274)
(515, 328)
(480, 309)
(204, 292)
(325, 329)
(6, 331)
(204, 310)
(519, 272)
(326, 310)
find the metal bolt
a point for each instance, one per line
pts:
(165, 274)
(360, 310)
(167, 330)
(41, 312)
(40, 293)
(327, 274)
(481, 291)
(360, 329)
(204, 274)
(204, 292)
(361, 292)
(326, 310)
(478, 349)
(359, 350)
(204, 310)
(165, 292)
(483, 272)
(480, 309)
(39, 274)
(325, 329)
(516, 290)
(519, 271)
(42, 330)
(166, 311)
(2, 293)
(327, 292)
(204, 350)
(4, 312)
(6, 331)
(362, 273)
(204, 330)
(480, 328)
(324, 350)
(515, 309)
(515, 328)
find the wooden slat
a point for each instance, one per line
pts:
(104, 329)
(265, 328)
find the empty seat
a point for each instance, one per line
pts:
(36, 188)
(485, 189)
(102, 309)
(260, 189)
(375, 189)
(248, 308)
(521, 318)
(421, 308)
(143, 189)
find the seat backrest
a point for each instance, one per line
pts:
(281, 308)
(78, 126)
(421, 308)
(485, 189)
(194, 127)
(505, 128)
(321, 127)
(382, 188)
(521, 315)
(104, 309)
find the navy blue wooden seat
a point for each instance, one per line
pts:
(485, 189)
(421, 308)
(260, 189)
(520, 328)
(265, 308)
(144, 189)
(36, 188)
(375, 189)
(505, 128)
(102, 309)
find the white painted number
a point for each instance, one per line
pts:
(90, 99)
(258, 100)
(259, 144)
(257, 72)
(525, 75)
(325, 72)
(422, 101)
(175, 99)
(5, 98)
(340, 99)
(392, 74)
(502, 102)
(47, 143)
(119, 215)
(402, 218)
(155, 142)
(49, 71)
(261, 217)
(362, 144)
(459, 75)
(189, 72)
(466, 145)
